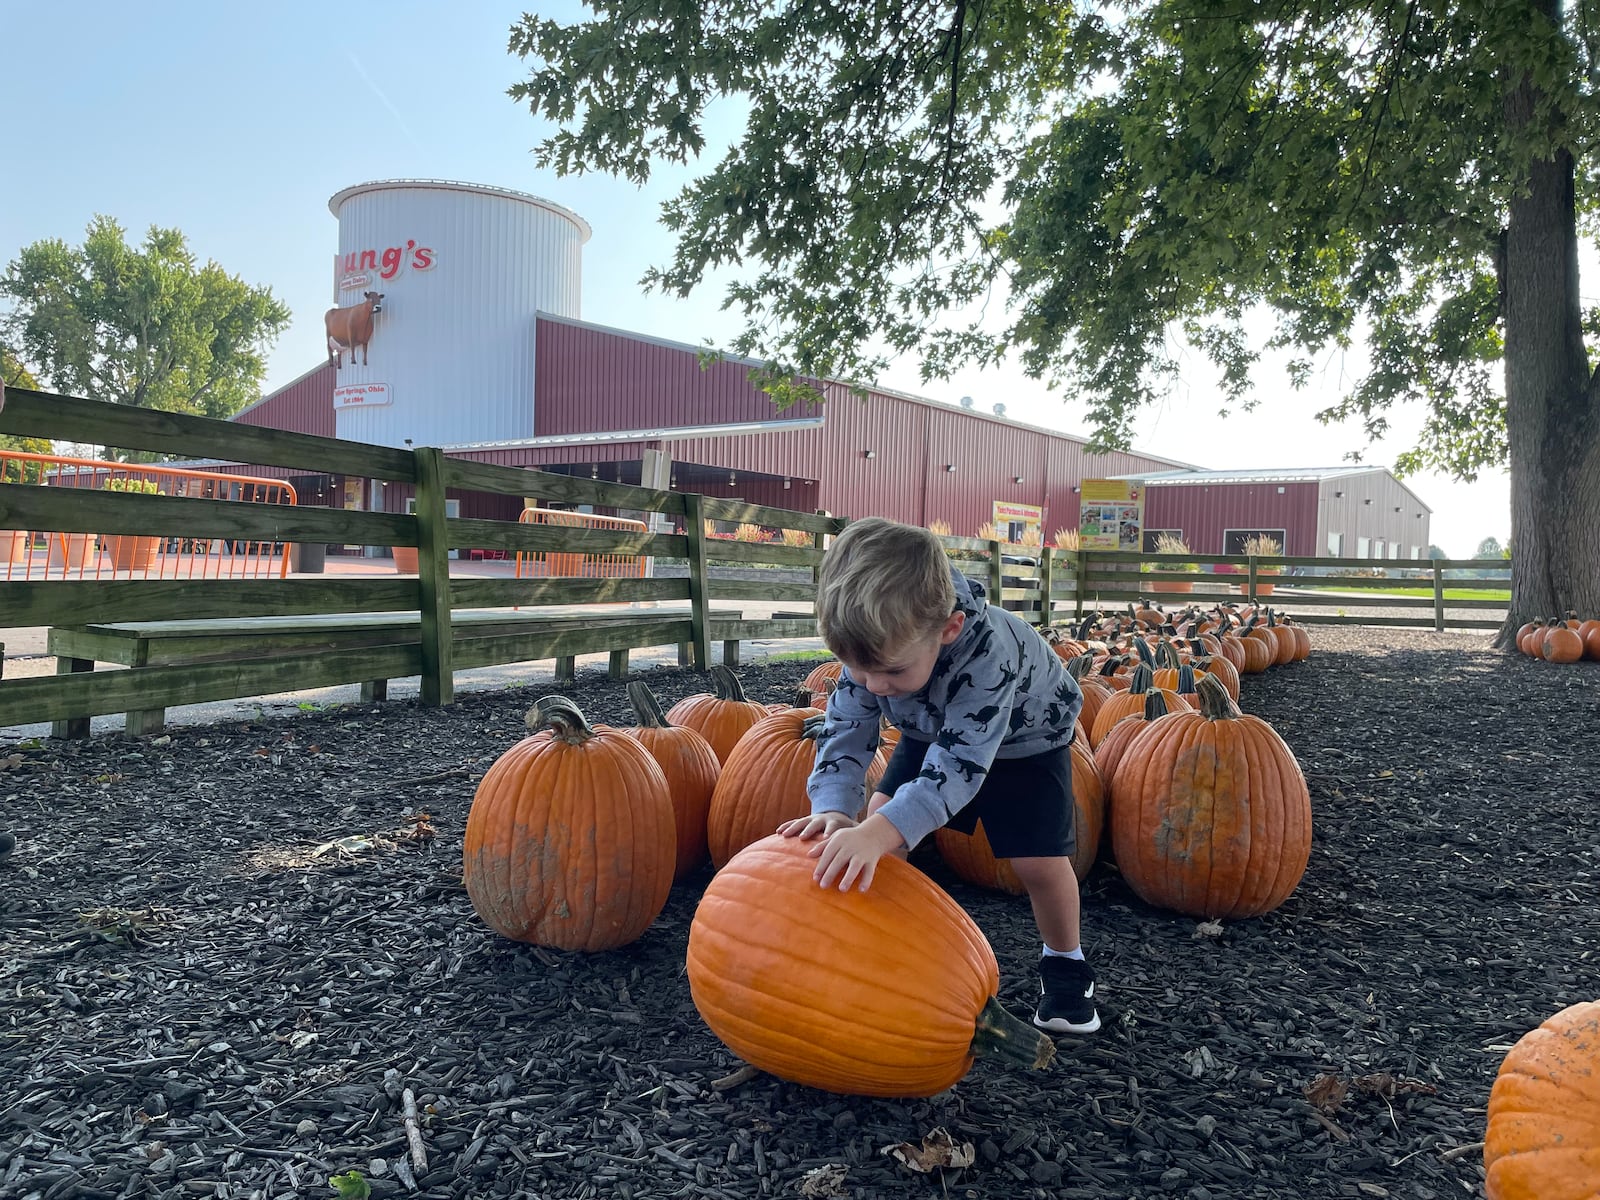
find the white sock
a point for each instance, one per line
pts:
(1076, 952)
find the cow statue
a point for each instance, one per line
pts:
(351, 327)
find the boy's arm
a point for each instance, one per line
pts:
(844, 749)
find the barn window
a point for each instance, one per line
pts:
(1233, 540)
(1151, 536)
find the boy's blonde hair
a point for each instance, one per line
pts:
(883, 585)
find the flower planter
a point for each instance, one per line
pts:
(13, 545)
(405, 559)
(1172, 585)
(69, 550)
(133, 552)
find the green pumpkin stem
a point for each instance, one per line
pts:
(1001, 1035)
(1215, 703)
(563, 717)
(1155, 706)
(646, 708)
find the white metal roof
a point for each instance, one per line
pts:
(1252, 475)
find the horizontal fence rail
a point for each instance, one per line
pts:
(428, 622)
(423, 623)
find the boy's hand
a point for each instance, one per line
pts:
(852, 854)
(822, 824)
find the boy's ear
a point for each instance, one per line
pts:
(952, 628)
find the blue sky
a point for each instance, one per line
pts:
(236, 124)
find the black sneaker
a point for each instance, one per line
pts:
(1067, 1002)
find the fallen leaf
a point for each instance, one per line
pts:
(825, 1182)
(1327, 1092)
(938, 1150)
(1208, 929)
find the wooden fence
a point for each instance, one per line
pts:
(1047, 586)
(1079, 582)
(432, 595)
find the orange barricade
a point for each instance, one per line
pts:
(586, 566)
(90, 556)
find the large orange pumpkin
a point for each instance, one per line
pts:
(1210, 814)
(887, 992)
(722, 715)
(691, 768)
(570, 841)
(1542, 1139)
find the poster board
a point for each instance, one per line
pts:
(1111, 514)
(1014, 522)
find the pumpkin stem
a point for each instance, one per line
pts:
(725, 684)
(646, 707)
(1001, 1035)
(562, 716)
(802, 698)
(1215, 703)
(1155, 706)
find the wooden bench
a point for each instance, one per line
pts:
(480, 637)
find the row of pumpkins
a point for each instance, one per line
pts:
(576, 834)
(1560, 640)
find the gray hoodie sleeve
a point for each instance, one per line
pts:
(845, 748)
(976, 720)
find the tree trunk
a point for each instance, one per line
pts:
(1551, 425)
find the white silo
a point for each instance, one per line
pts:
(462, 269)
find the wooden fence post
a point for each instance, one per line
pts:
(996, 581)
(699, 591)
(1046, 582)
(1079, 575)
(1438, 597)
(1250, 585)
(433, 570)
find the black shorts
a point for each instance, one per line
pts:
(1025, 804)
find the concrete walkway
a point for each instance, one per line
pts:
(26, 655)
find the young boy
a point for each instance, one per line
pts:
(986, 712)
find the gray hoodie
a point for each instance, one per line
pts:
(997, 691)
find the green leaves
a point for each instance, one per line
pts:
(352, 1185)
(139, 325)
(1084, 191)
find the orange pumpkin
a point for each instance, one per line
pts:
(1128, 704)
(1591, 639)
(1260, 650)
(722, 715)
(1211, 816)
(1562, 645)
(1542, 1137)
(570, 841)
(887, 992)
(763, 781)
(817, 681)
(691, 768)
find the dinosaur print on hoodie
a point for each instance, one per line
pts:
(997, 691)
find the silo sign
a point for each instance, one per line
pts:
(460, 273)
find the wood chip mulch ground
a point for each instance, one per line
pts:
(232, 958)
